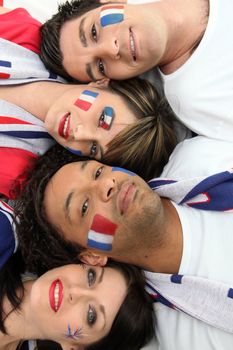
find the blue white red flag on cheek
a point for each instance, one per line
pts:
(101, 233)
(86, 99)
(5, 69)
(74, 151)
(111, 15)
(107, 118)
(122, 170)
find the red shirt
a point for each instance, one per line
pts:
(21, 28)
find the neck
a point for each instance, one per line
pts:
(19, 324)
(166, 258)
(186, 24)
(160, 247)
(36, 98)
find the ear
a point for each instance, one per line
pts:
(102, 83)
(90, 258)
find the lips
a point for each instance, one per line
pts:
(64, 126)
(125, 196)
(55, 295)
(132, 44)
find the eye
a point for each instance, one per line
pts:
(102, 119)
(91, 316)
(101, 67)
(85, 207)
(91, 277)
(98, 172)
(94, 149)
(94, 32)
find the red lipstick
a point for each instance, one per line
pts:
(64, 126)
(56, 295)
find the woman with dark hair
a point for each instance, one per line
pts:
(78, 306)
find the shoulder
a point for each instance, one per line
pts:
(199, 156)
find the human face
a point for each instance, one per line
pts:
(101, 208)
(132, 44)
(76, 301)
(85, 119)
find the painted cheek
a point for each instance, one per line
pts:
(122, 170)
(111, 15)
(74, 151)
(86, 99)
(101, 233)
(73, 334)
(108, 118)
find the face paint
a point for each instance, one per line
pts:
(75, 334)
(74, 151)
(107, 118)
(111, 15)
(6, 65)
(115, 168)
(101, 233)
(86, 99)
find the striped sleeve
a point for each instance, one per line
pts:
(8, 240)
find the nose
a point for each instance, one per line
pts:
(106, 188)
(77, 293)
(109, 49)
(84, 132)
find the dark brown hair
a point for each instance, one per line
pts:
(50, 32)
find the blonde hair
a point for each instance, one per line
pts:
(144, 146)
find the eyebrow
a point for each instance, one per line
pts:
(71, 195)
(83, 40)
(89, 72)
(102, 309)
(82, 36)
(101, 151)
(101, 275)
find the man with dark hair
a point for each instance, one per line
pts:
(188, 40)
(101, 212)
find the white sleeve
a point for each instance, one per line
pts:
(199, 156)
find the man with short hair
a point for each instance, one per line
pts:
(110, 212)
(188, 40)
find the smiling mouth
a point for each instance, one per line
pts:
(64, 126)
(126, 196)
(132, 44)
(56, 295)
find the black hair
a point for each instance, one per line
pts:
(50, 32)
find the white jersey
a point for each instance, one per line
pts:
(201, 91)
(207, 248)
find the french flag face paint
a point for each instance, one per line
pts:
(101, 233)
(86, 99)
(4, 69)
(74, 151)
(115, 168)
(111, 15)
(107, 118)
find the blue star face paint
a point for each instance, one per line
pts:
(76, 334)
(111, 15)
(106, 118)
(123, 171)
(74, 151)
